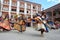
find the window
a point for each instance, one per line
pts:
(13, 9)
(59, 13)
(21, 11)
(27, 12)
(49, 13)
(54, 14)
(33, 7)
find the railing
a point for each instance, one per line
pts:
(13, 11)
(39, 8)
(34, 12)
(21, 12)
(22, 6)
(14, 4)
(5, 9)
(28, 7)
(7, 3)
(34, 8)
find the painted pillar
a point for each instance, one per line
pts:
(1, 7)
(31, 14)
(18, 4)
(31, 11)
(52, 16)
(37, 9)
(10, 3)
(25, 9)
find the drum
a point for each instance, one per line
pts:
(20, 28)
(16, 27)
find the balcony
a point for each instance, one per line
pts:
(28, 7)
(35, 9)
(13, 12)
(34, 12)
(57, 16)
(22, 6)
(21, 13)
(5, 9)
(6, 3)
(14, 4)
(39, 9)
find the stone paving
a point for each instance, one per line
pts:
(30, 34)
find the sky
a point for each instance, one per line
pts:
(46, 3)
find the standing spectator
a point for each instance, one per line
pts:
(0, 18)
